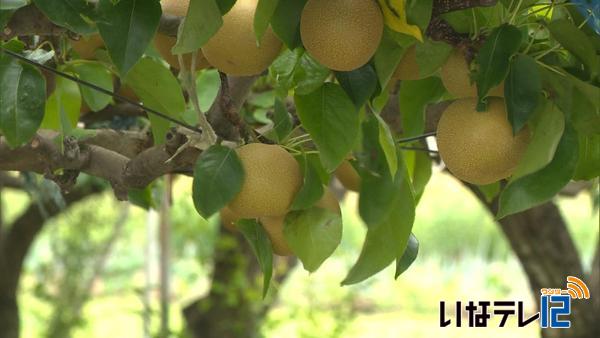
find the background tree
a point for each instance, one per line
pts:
(524, 121)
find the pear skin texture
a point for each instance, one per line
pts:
(272, 179)
(274, 225)
(407, 69)
(175, 7)
(348, 176)
(86, 46)
(164, 43)
(233, 49)
(455, 77)
(341, 34)
(228, 219)
(479, 147)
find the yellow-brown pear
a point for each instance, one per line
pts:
(86, 46)
(234, 49)
(274, 225)
(175, 7)
(165, 43)
(348, 176)
(341, 34)
(272, 179)
(479, 147)
(456, 78)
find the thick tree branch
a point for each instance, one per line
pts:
(29, 20)
(445, 6)
(226, 107)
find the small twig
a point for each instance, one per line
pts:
(415, 138)
(420, 149)
(100, 89)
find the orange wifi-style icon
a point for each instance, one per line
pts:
(577, 288)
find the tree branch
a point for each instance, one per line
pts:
(445, 6)
(29, 20)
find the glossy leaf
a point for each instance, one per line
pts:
(539, 187)
(286, 22)
(203, 20)
(127, 27)
(13, 4)
(313, 235)
(547, 126)
(494, 57)
(387, 57)
(418, 12)
(63, 107)
(261, 246)
(394, 15)
(22, 100)
(588, 165)
(332, 121)
(311, 190)
(418, 164)
(225, 5)
(309, 75)
(76, 15)
(98, 74)
(576, 42)
(522, 90)
(376, 187)
(431, 55)
(359, 84)
(408, 257)
(579, 101)
(414, 96)
(387, 241)
(388, 145)
(208, 84)
(282, 121)
(218, 178)
(157, 88)
(263, 15)
(490, 191)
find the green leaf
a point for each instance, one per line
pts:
(208, 83)
(522, 90)
(218, 178)
(387, 241)
(312, 188)
(98, 74)
(203, 20)
(5, 18)
(286, 22)
(76, 15)
(63, 107)
(418, 164)
(158, 89)
(141, 197)
(387, 57)
(418, 12)
(261, 246)
(547, 127)
(282, 121)
(331, 120)
(490, 191)
(225, 5)
(388, 145)
(579, 101)
(22, 100)
(575, 41)
(313, 235)
(263, 15)
(588, 166)
(127, 28)
(13, 4)
(431, 55)
(360, 84)
(413, 97)
(408, 257)
(309, 75)
(537, 188)
(377, 187)
(494, 57)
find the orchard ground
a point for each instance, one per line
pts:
(463, 256)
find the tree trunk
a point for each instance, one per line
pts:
(234, 307)
(14, 246)
(540, 239)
